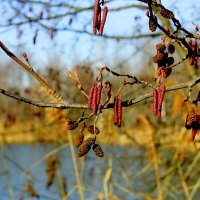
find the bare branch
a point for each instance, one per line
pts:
(125, 103)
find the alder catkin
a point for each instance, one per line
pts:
(99, 89)
(155, 101)
(99, 18)
(95, 16)
(161, 94)
(115, 108)
(194, 132)
(90, 96)
(119, 112)
(94, 100)
(105, 12)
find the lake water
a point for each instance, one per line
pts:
(20, 163)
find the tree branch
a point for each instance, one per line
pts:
(125, 103)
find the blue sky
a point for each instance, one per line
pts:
(71, 48)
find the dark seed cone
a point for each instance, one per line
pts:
(167, 13)
(170, 61)
(171, 49)
(160, 47)
(103, 21)
(95, 16)
(115, 108)
(90, 97)
(191, 117)
(119, 113)
(98, 150)
(94, 100)
(152, 24)
(71, 125)
(78, 139)
(50, 180)
(83, 150)
(99, 18)
(155, 101)
(91, 130)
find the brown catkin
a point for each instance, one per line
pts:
(105, 12)
(98, 150)
(152, 24)
(78, 139)
(167, 13)
(155, 101)
(95, 16)
(119, 112)
(115, 108)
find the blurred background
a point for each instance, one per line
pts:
(147, 158)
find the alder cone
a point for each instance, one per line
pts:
(71, 125)
(170, 61)
(152, 24)
(155, 101)
(167, 13)
(78, 139)
(170, 49)
(90, 141)
(160, 57)
(91, 129)
(83, 149)
(160, 47)
(98, 150)
(191, 117)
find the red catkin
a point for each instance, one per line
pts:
(155, 101)
(105, 12)
(194, 132)
(115, 110)
(99, 89)
(95, 16)
(94, 100)
(119, 113)
(161, 94)
(90, 97)
(99, 18)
